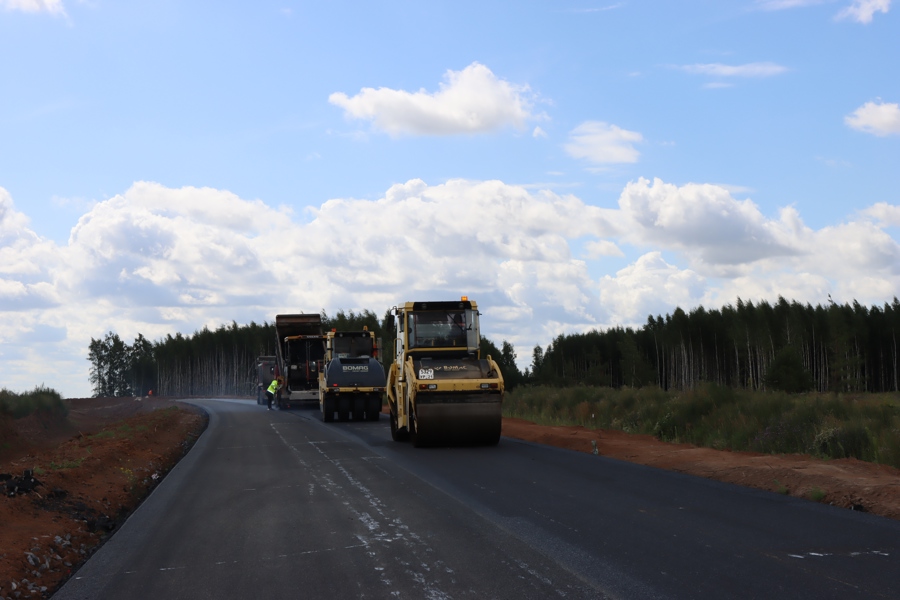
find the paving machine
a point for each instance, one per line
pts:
(352, 382)
(300, 351)
(440, 390)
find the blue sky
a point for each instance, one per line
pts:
(168, 165)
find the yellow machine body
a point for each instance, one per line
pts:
(440, 390)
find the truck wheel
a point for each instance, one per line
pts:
(397, 434)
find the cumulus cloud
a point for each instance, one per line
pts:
(877, 118)
(602, 143)
(751, 255)
(158, 260)
(53, 7)
(473, 100)
(649, 286)
(25, 261)
(863, 11)
(886, 214)
(758, 69)
(704, 221)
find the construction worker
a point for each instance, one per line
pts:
(273, 389)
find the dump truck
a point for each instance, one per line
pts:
(440, 390)
(352, 382)
(265, 373)
(300, 353)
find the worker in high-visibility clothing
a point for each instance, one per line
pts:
(273, 389)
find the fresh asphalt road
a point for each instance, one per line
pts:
(272, 504)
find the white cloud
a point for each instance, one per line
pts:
(878, 118)
(53, 7)
(600, 248)
(601, 143)
(702, 220)
(649, 286)
(784, 4)
(758, 69)
(473, 100)
(863, 11)
(887, 214)
(158, 260)
(598, 9)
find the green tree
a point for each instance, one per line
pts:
(787, 373)
(512, 377)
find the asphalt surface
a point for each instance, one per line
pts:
(278, 504)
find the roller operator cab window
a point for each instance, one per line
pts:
(443, 329)
(352, 346)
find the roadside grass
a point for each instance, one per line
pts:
(40, 399)
(66, 464)
(862, 426)
(815, 494)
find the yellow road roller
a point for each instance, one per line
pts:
(441, 392)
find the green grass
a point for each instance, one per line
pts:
(40, 399)
(66, 464)
(866, 427)
(816, 495)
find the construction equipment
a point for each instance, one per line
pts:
(300, 352)
(352, 382)
(440, 390)
(265, 373)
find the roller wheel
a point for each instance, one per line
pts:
(343, 415)
(359, 415)
(494, 440)
(397, 434)
(327, 411)
(373, 415)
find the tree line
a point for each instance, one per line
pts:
(785, 345)
(208, 362)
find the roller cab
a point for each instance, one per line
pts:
(441, 392)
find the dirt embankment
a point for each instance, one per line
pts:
(67, 485)
(93, 469)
